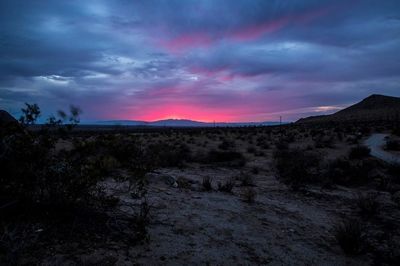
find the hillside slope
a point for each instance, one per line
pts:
(373, 108)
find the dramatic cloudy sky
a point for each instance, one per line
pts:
(204, 60)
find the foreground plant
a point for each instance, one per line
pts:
(368, 204)
(349, 236)
(227, 186)
(249, 195)
(207, 183)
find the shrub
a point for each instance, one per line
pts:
(297, 167)
(232, 157)
(62, 190)
(251, 149)
(142, 220)
(249, 195)
(345, 172)
(368, 204)
(207, 183)
(282, 145)
(227, 186)
(13, 242)
(359, 152)
(246, 179)
(392, 145)
(166, 155)
(255, 170)
(349, 236)
(226, 145)
(394, 171)
(184, 183)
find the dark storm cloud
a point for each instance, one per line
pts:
(197, 55)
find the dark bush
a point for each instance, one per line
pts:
(246, 179)
(344, 172)
(394, 171)
(251, 149)
(61, 190)
(249, 195)
(232, 157)
(227, 186)
(368, 204)
(207, 183)
(359, 152)
(166, 155)
(282, 145)
(226, 145)
(349, 236)
(297, 167)
(392, 145)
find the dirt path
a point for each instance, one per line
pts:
(376, 142)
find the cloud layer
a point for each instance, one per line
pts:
(203, 60)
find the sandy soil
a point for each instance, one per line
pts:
(191, 226)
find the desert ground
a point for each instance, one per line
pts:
(290, 195)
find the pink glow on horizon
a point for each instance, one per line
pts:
(198, 103)
(183, 111)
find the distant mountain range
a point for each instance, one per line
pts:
(179, 123)
(373, 108)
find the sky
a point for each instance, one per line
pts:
(210, 60)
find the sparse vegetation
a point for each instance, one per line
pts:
(297, 167)
(349, 236)
(207, 183)
(103, 185)
(359, 152)
(227, 186)
(249, 195)
(368, 204)
(392, 145)
(232, 157)
(246, 179)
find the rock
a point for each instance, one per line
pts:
(164, 178)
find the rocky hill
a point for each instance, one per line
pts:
(373, 108)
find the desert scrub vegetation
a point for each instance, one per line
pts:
(392, 145)
(227, 186)
(368, 204)
(359, 152)
(349, 235)
(231, 158)
(246, 179)
(207, 183)
(349, 173)
(59, 189)
(297, 167)
(249, 195)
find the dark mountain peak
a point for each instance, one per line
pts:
(378, 98)
(376, 101)
(375, 107)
